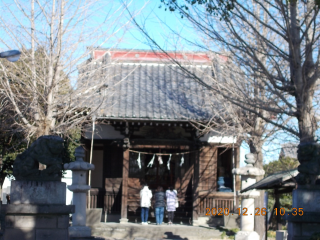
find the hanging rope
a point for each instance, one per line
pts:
(165, 154)
(150, 164)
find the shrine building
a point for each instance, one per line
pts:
(147, 130)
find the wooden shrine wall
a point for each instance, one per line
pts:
(208, 169)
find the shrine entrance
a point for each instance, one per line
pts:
(160, 173)
(156, 170)
(173, 169)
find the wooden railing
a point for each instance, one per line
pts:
(96, 198)
(216, 200)
(207, 204)
(112, 203)
(108, 201)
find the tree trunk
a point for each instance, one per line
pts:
(300, 76)
(306, 119)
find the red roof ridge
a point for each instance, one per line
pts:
(149, 56)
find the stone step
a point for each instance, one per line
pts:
(152, 231)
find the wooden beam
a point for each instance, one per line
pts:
(125, 176)
(180, 147)
(195, 191)
(215, 194)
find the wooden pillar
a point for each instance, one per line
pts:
(195, 191)
(213, 169)
(238, 180)
(125, 176)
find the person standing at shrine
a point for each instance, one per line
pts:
(171, 196)
(145, 203)
(160, 203)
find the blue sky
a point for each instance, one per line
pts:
(157, 21)
(158, 29)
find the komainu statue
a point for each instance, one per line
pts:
(46, 150)
(309, 168)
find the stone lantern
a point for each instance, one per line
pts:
(248, 177)
(79, 188)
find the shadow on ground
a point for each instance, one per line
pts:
(227, 232)
(170, 235)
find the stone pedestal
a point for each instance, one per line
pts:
(247, 222)
(38, 208)
(36, 221)
(304, 220)
(248, 177)
(79, 188)
(37, 211)
(123, 220)
(37, 192)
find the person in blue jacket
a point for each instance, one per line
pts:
(160, 203)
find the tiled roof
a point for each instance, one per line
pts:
(277, 180)
(156, 90)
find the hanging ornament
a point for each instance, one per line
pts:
(139, 161)
(182, 160)
(151, 162)
(168, 164)
(160, 159)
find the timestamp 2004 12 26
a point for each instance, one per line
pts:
(258, 211)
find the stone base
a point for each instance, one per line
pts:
(38, 192)
(79, 231)
(306, 219)
(93, 216)
(303, 227)
(35, 222)
(196, 223)
(230, 221)
(242, 235)
(305, 197)
(281, 235)
(124, 220)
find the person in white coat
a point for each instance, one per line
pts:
(145, 203)
(171, 196)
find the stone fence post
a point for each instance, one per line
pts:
(248, 177)
(281, 235)
(79, 188)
